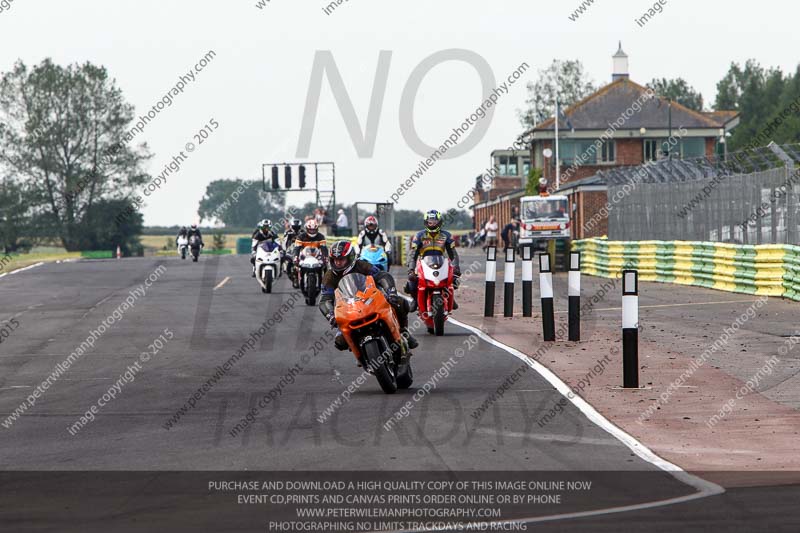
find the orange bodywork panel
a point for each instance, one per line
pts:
(366, 308)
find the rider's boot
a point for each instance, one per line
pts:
(340, 342)
(412, 342)
(402, 318)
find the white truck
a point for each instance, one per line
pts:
(545, 218)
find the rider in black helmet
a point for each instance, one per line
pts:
(343, 261)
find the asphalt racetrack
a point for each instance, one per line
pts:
(195, 406)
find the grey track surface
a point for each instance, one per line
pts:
(57, 305)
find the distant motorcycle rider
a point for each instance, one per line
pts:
(343, 262)
(310, 236)
(433, 239)
(182, 233)
(290, 235)
(194, 231)
(263, 232)
(372, 235)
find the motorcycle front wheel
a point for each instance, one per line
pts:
(383, 372)
(268, 281)
(312, 287)
(437, 302)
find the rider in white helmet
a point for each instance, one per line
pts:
(372, 235)
(310, 236)
(263, 232)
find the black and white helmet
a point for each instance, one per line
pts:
(343, 257)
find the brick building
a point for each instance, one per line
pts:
(621, 124)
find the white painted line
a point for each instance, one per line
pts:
(704, 488)
(223, 282)
(21, 269)
(95, 306)
(550, 437)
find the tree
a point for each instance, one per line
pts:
(15, 222)
(565, 79)
(678, 90)
(766, 100)
(64, 131)
(532, 185)
(407, 220)
(99, 234)
(240, 203)
(219, 240)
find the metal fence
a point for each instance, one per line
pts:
(756, 208)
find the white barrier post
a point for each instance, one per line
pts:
(630, 329)
(527, 280)
(491, 277)
(574, 292)
(508, 277)
(546, 294)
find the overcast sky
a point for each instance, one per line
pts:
(256, 86)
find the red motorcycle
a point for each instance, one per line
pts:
(435, 275)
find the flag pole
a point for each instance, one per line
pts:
(558, 161)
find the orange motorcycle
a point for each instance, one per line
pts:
(369, 325)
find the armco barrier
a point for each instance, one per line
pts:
(769, 269)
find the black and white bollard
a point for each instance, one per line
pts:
(574, 292)
(546, 294)
(491, 277)
(630, 329)
(527, 280)
(508, 277)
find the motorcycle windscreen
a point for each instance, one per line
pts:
(434, 261)
(351, 285)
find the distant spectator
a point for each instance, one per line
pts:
(491, 232)
(508, 233)
(342, 224)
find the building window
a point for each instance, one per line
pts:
(575, 152)
(695, 147)
(651, 150)
(526, 166)
(507, 165)
(608, 152)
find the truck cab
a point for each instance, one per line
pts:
(544, 217)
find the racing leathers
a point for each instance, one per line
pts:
(426, 243)
(384, 280)
(304, 239)
(289, 236)
(195, 232)
(375, 238)
(259, 236)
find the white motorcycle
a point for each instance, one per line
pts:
(183, 246)
(268, 266)
(310, 270)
